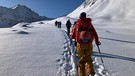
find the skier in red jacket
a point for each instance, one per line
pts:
(84, 33)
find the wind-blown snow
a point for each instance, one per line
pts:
(41, 49)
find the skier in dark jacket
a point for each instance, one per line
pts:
(68, 25)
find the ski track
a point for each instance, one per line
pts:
(64, 63)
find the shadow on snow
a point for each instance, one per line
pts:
(105, 55)
(117, 40)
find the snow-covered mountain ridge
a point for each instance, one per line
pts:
(110, 9)
(16, 14)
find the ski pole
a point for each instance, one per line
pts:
(101, 56)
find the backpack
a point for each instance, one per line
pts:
(84, 31)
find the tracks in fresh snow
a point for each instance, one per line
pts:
(100, 70)
(64, 63)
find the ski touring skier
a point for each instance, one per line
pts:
(84, 33)
(68, 25)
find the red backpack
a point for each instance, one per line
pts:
(84, 31)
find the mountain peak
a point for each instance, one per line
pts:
(18, 13)
(18, 6)
(88, 3)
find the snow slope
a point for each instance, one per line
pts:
(37, 49)
(30, 51)
(112, 9)
(41, 49)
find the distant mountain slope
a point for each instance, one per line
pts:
(16, 14)
(112, 9)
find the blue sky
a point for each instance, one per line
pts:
(49, 8)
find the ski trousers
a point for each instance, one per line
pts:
(85, 65)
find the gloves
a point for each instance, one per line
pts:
(98, 43)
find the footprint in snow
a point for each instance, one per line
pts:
(100, 70)
(22, 32)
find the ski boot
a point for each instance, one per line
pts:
(92, 74)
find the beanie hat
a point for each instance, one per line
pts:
(83, 15)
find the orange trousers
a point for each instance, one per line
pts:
(85, 65)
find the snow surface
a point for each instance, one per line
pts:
(30, 51)
(41, 49)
